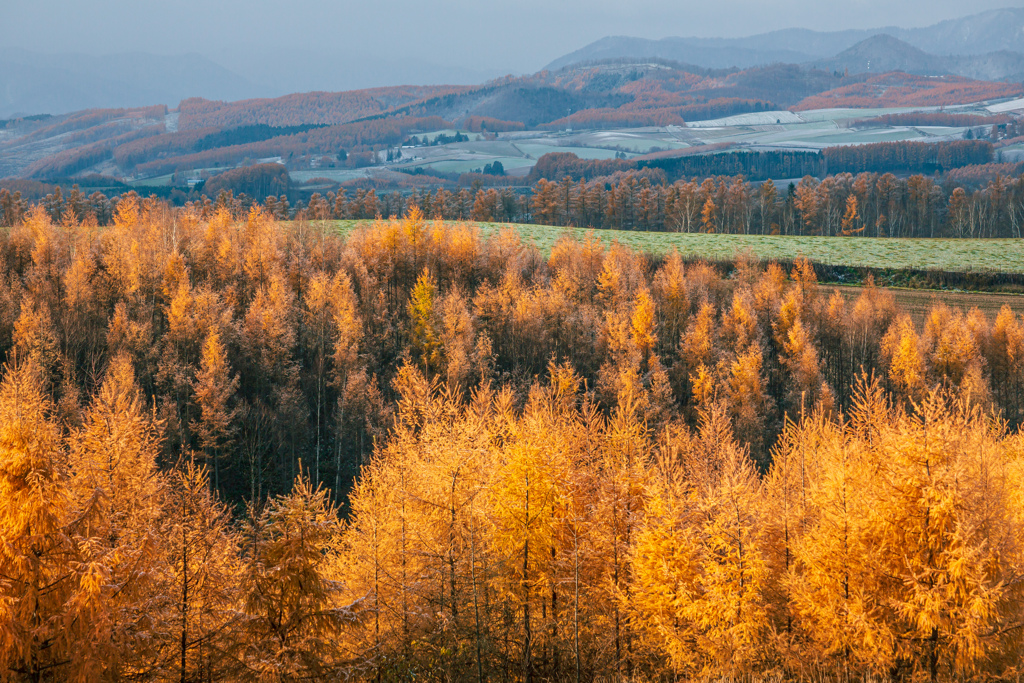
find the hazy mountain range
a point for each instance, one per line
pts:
(37, 83)
(987, 46)
(978, 34)
(882, 53)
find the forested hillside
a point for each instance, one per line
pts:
(313, 130)
(237, 449)
(896, 89)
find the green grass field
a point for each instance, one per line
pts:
(996, 255)
(153, 182)
(468, 165)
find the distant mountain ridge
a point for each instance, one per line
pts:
(882, 53)
(988, 46)
(980, 34)
(708, 53)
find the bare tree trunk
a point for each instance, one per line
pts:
(576, 597)
(527, 636)
(476, 605)
(319, 404)
(184, 594)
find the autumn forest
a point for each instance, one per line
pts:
(235, 448)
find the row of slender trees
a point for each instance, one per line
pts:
(866, 204)
(251, 450)
(114, 569)
(494, 540)
(262, 343)
(562, 543)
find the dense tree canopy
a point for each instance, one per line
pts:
(238, 449)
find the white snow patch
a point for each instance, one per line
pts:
(171, 122)
(762, 118)
(1012, 105)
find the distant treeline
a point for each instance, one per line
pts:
(331, 108)
(753, 165)
(932, 118)
(246, 134)
(486, 124)
(882, 157)
(897, 89)
(10, 123)
(869, 204)
(78, 159)
(723, 107)
(908, 157)
(558, 165)
(674, 115)
(261, 180)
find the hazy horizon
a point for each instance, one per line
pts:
(392, 41)
(57, 59)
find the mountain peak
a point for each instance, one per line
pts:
(883, 52)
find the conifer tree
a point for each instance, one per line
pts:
(939, 530)
(50, 595)
(746, 397)
(293, 619)
(35, 339)
(317, 333)
(806, 388)
(672, 300)
(214, 392)
(347, 376)
(201, 550)
(424, 335)
(699, 565)
(524, 492)
(120, 497)
(907, 370)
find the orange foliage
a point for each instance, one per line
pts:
(328, 140)
(897, 89)
(609, 466)
(292, 110)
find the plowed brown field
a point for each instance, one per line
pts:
(917, 302)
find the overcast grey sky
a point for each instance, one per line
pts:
(487, 35)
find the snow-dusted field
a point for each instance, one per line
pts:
(763, 118)
(761, 131)
(1012, 105)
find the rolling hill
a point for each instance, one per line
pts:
(882, 53)
(898, 89)
(356, 129)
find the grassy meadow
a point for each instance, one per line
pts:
(954, 255)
